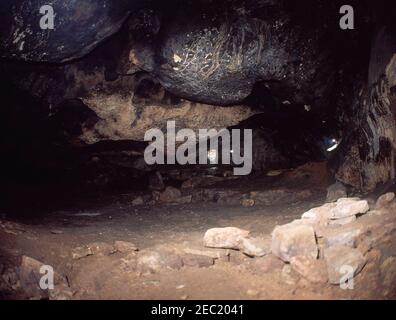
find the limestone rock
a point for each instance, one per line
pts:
(335, 192)
(294, 239)
(342, 221)
(345, 235)
(319, 216)
(385, 200)
(340, 259)
(255, 247)
(347, 207)
(311, 269)
(289, 276)
(225, 238)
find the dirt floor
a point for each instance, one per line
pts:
(79, 244)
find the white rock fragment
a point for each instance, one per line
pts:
(342, 259)
(225, 238)
(294, 239)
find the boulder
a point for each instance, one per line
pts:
(255, 247)
(385, 200)
(347, 207)
(313, 270)
(225, 238)
(294, 239)
(345, 235)
(339, 259)
(335, 192)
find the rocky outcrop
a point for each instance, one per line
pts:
(370, 156)
(79, 27)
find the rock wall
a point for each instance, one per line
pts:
(370, 159)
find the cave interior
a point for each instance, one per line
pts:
(77, 193)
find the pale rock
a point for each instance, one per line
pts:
(294, 239)
(289, 276)
(255, 247)
(385, 200)
(248, 203)
(313, 270)
(345, 235)
(138, 201)
(225, 238)
(335, 192)
(339, 259)
(347, 207)
(319, 216)
(342, 221)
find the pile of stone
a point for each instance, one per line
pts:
(237, 239)
(331, 241)
(329, 244)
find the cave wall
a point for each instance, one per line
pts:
(370, 156)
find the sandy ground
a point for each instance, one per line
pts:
(52, 237)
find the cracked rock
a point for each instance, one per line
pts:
(294, 239)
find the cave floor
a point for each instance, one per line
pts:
(178, 228)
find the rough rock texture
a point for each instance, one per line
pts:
(335, 192)
(225, 238)
(339, 257)
(385, 200)
(294, 239)
(312, 269)
(347, 207)
(342, 212)
(370, 145)
(80, 25)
